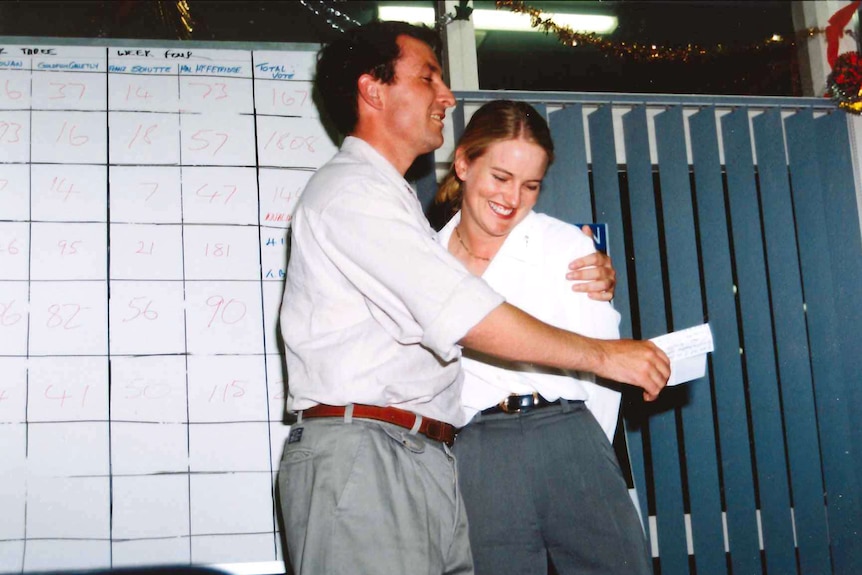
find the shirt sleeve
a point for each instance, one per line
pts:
(576, 311)
(414, 288)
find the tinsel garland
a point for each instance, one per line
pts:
(176, 16)
(334, 17)
(635, 51)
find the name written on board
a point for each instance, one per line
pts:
(144, 53)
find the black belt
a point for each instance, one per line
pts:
(520, 404)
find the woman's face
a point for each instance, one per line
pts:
(500, 187)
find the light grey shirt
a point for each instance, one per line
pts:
(373, 306)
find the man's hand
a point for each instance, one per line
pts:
(596, 273)
(638, 363)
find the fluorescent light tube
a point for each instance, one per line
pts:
(503, 20)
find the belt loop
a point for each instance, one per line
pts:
(299, 416)
(348, 413)
(567, 406)
(416, 424)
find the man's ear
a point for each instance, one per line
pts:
(370, 91)
(461, 164)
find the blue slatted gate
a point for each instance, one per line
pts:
(741, 212)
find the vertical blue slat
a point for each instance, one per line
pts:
(842, 225)
(459, 121)
(791, 343)
(606, 191)
(566, 189)
(759, 354)
(687, 310)
(823, 331)
(541, 108)
(737, 473)
(650, 296)
(831, 386)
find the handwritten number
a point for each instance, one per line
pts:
(64, 395)
(139, 311)
(285, 142)
(155, 186)
(11, 93)
(145, 138)
(57, 186)
(220, 89)
(7, 316)
(232, 390)
(228, 312)
(217, 250)
(72, 138)
(151, 391)
(211, 196)
(139, 93)
(11, 248)
(68, 248)
(201, 137)
(10, 132)
(284, 98)
(57, 317)
(143, 249)
(61, 90)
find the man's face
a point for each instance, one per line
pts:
(416, 101)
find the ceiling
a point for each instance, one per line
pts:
(507, 60)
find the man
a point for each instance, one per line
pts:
(373, 312)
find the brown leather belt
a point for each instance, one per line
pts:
(430, 428)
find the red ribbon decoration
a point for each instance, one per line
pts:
(835, 30)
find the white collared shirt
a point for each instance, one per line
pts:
(373, 307)
(530, 271)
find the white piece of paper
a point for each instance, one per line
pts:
(687, 349)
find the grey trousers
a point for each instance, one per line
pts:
(368, 497)
(547, 483)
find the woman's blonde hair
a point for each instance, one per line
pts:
(496, 121)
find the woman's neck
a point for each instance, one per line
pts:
(474, 248)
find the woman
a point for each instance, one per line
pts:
(536, 466)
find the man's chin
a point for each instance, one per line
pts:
(434, 144)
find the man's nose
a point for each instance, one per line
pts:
(445, 95)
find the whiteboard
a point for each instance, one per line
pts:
(145, 195)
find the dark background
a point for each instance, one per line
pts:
(734, 34)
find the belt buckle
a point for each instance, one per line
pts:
(505, 405)
(437, 430)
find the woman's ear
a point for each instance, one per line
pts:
(461, 164)
(369, 91)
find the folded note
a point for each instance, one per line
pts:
(687, 349)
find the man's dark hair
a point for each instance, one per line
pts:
(369, 49)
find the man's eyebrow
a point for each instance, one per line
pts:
(433, 68)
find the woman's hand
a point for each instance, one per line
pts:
(594, 274)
